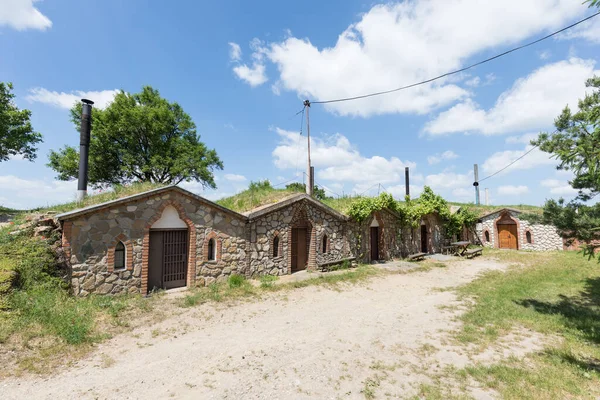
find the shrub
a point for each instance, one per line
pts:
(236, 281)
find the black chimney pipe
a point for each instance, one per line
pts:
(84, 148)
(406, 181)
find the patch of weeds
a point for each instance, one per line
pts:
(236, 281)
(370, 387)
(267, 281)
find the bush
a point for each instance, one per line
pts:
(236, 281)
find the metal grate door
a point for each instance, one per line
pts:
(175, 251)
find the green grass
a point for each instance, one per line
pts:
(117, 192)
(556, 294)
(224, 291)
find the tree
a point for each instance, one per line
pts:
(140, 137)
(318, 192)
(576, 143)
(593, 3)
(16, 133)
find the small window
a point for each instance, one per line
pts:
(487, 236)
(528, 237)
(212, 250)
(276, 246)
(324, 244)
(120, 256)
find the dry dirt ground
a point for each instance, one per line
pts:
(384, 338)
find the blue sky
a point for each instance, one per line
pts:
(242, 69)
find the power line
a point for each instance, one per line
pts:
(459, 70)
(500, 170)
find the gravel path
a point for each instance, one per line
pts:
(380, 337)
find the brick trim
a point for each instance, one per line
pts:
(325, 237)
(302, 220)
(128, 253)
(66, 240)
(218, 250)
(191, 272)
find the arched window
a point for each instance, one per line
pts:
(487, 236)
(276, 246)
(528, 237)
(324, 244)
(212, 250)
(120, 256)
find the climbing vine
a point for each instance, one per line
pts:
(411, 211)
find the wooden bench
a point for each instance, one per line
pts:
(326, 266)
(417, 256)
(448, 249)
(473, 252)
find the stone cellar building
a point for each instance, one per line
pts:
(169, 237)
(503, 229)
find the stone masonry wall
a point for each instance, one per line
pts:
(91, 238)
(279, 222)
(544, 237)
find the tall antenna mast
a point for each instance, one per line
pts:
(309, 171)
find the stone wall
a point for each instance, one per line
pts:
(543, 237)
(264, 229)
(90, 239)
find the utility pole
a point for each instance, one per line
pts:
(487, 197)
(84, 147)
(476, 183)
(309, 187)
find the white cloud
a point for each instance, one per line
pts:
(336, 159)
(396, 44)
(448, 180)
(510, 190)
(235, 51)
(22, 15)
(254, 76)
(473, 82)
(501, 159)
(24, 193)
(523, 139)
(437, 158)
(544, 55)
(64, 100)
(235, 178)
(532, 102)
(589, 30)
(559, 187)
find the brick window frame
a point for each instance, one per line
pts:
(128, 254)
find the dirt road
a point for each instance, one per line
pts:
(382, 337)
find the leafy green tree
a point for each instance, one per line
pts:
(593, 3)
(319, 193)
(16, 133)
(576, 144)
(140, 137)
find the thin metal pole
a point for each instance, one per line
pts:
(476, 183)
(406, 180)
(309, 188)
(84, 147)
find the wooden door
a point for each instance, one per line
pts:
(507, 236)
(299, 249)
(167, 262)
(374, 243)
(424, 248)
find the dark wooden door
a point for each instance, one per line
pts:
(374, 243)
(507, 236)
(299, 249)
(424, 239)
(167, 262)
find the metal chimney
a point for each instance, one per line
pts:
(406, 181)
(84, 148)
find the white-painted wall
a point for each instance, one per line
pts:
(169, 220)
